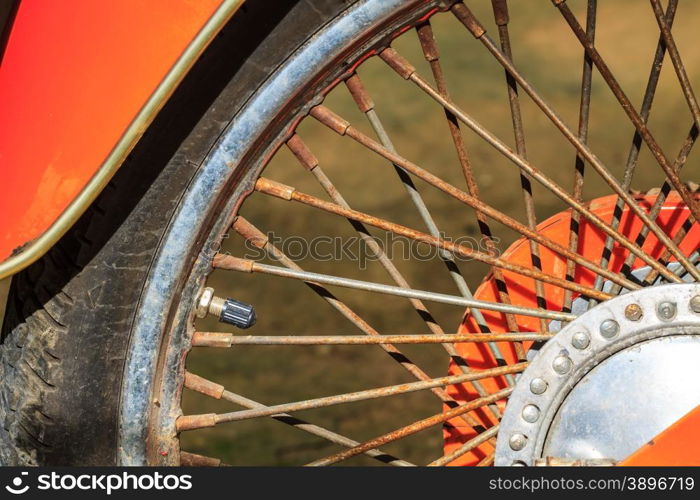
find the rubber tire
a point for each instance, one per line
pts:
(69, 316)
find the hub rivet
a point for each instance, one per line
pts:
(531, 413)
(695, 304)
(609, 328)
(538, 386)
(580, 340)
(633, 312)
(666, 310)
(517, 441)
(562, 364)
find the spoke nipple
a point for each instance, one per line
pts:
(531, 413)
(695, 304)
(666, 311)
(562, 364)
(538, 386)
(633, 312)
(609, 328)
(580, 340)
(517, 441)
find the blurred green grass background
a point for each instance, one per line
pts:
(551, 58)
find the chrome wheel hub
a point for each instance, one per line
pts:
(609, 381)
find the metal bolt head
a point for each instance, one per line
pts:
(531, 413)
(580, 340)
(609, 328)
(517, 441)
(695, 304)
(562, 364)
(538, 386)
(203, 302)
(666, 310)
(633, 312)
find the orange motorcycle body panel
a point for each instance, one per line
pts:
(73, 76)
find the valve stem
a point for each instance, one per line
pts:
(231, 311)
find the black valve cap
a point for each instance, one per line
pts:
(237, 313)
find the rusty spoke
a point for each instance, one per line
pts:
(580, 163)
(310, 162)
(665, 257)
(413, 428)
(502, 18)
(465, 448)
(217, 391)
(407, 71)
(243, 265)
(656, 210)
(432, 55)
(633, 154)
(336, 123)
(289, 193)
(220, 339)
(641, 127)
(258, 239)
(675, 57)
(190, 422)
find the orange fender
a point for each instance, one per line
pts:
(74, 76)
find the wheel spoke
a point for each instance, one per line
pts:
(243, 265)
(487, 460)
(341, 126)
(216, 391)
(406, 70)
(289, 193)
(188, 421)
(633, 154)
(680, 234)
(502, 18)
(579, 164)
(656, 210)
(257, 238)
(466, 447)
(643, 131)
(675, 56)
(310, 162)
(219, 339)
(413, 428)
(432, 55)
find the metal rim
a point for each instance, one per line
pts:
(229, 187)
